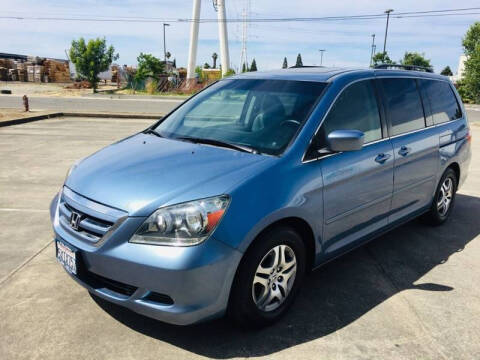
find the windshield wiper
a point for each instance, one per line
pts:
(152, 131)
(219, 143)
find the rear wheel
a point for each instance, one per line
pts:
(268, 278)
(444, 199)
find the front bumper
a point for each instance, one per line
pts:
(178, 285)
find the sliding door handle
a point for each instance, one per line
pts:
(381, 158)
(404, 151)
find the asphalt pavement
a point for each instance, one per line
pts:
(411, 294)
(138, 105)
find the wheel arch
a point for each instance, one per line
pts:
(456, 168)
(302, 227)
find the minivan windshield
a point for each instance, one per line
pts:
(260, 116)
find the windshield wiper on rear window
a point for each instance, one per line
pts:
(219, 143)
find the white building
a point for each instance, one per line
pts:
(461, 69)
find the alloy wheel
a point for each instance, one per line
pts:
(445, 196)
(274, 278)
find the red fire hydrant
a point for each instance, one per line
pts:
(25, 103)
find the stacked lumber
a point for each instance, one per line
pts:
(34, 69)
(38, 73)
(3, 73)
(20, 72)
(115, 73)
(31, 73)
(57, 71)
(84, 84)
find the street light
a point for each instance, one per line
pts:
(164, 45)
(321, 55)
(386, 29)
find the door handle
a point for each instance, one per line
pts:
(404, 151)
(381, 158)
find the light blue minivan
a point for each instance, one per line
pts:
(225, 204)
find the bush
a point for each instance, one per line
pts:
(151, 86)
(464, 92)
(230, 72)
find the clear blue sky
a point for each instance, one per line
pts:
(347, 43)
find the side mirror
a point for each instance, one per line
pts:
(345, 140)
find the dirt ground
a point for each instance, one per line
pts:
(11, 114)
(48, 89)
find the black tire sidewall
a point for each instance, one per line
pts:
(241, 306)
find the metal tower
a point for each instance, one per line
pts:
(245, 16)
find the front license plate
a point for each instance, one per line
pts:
(66, 257)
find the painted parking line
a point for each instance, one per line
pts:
(23, 210)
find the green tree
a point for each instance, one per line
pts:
(415, 58)
(382, 58)
(149, 66)
(230, 72)
(174, 63)
(198, 71)
(285, 63)
(299, 62)
(253, 67)
(92, 58)
(214, 58)
(471, 46)
(446, 71)
(244, 68)
(206, 66)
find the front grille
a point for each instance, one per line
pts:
(94, 220)
(89, 226)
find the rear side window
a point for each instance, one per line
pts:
(355, 109)
(404, 106)
(443, 103)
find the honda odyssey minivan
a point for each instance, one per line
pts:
(222, 206)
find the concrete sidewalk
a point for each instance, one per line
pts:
(411, 294)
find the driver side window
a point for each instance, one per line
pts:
(355, 109)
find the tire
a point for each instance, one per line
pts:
(257, 298)
(438, 214)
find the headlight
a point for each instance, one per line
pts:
(185, 224)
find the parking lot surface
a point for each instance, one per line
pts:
(411, 294)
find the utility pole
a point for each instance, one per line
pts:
(245, 15)
(373, 50)
(321, 56)
(386, 30)
(164, 45)
(222, 33)
(192, 52)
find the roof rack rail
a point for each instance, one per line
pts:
(405, 67)
(305, 66)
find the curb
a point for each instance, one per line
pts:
(79, 114)
(29, 119)
(112, 115)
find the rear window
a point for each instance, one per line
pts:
(404, 106)
(441, 98)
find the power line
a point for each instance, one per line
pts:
(399, 15)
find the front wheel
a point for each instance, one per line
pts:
(444, 199)
(268, 278)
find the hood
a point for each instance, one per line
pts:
(144, 172)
